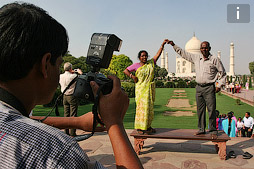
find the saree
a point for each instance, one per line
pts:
(225, 127)
(145, 95)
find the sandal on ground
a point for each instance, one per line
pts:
(247, 155)
(231, 154)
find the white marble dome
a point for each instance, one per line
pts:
(193, 45)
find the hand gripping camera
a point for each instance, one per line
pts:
(99, 54)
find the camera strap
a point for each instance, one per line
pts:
(96, 105)
(95, 117)
(94, 111)
(58, 99)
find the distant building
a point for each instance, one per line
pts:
(185, 68)
(232, 61)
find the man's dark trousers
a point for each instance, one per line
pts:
(246, 129)
(205, 97)
(70, 110)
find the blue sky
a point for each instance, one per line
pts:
(143, 24)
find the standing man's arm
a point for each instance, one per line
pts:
(221, 75)
(186, 55)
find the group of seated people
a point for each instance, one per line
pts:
(233, 127)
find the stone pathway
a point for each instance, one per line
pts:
(246, 96)
(178, 113)
(177, 103)
(180, 104)
(179, 91)
(173, 154)
(179, 96)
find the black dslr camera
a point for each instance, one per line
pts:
(99, 54)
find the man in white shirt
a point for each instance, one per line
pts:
(70, 102)
(247, 125)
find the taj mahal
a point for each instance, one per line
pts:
(185, 68)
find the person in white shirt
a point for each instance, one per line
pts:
(247, 125)
(70, 102)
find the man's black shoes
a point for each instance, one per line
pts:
(200, 132)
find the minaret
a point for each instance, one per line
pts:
(162, 59)
(232, 63)
(219, 55)
(166, 59)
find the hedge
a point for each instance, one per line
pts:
(175, 84)
(129, 88)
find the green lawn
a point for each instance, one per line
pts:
(224, 105)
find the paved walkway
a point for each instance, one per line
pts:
(246, 96)
(173, 154)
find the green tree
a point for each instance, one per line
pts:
(81, 64)
(163, 73)
(156, 71)
(173, 74)
(250, 83)
(117, 65)
(251, 67)
(244, 80)
(227, 78)
(236, 78)
(77, 63)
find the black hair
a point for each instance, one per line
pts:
(231, 112)
(139, 53)
(27, 33)
(230, 115)
(248, 113)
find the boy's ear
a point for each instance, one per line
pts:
(45, 61)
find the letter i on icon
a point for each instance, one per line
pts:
(237, 13)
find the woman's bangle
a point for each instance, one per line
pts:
(130, 75)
